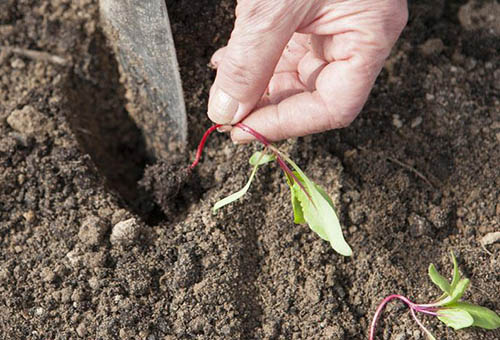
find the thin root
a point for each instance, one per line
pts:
(412, 169)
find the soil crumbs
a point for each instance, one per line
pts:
(86, 254)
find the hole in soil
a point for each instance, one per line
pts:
(105, 130)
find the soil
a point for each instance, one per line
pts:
(86, 253)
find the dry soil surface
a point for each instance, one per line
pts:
(86, 252)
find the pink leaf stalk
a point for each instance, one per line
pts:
(413, 308)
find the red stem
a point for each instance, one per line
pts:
(202, 144)
(254, 133)
(413, 307)
(281, 163)
(257, 136)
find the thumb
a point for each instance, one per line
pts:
(262, 30)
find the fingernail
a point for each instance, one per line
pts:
(224, 128)
(222, 107)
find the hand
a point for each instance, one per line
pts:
(297, 67)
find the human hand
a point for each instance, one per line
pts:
(297, 67)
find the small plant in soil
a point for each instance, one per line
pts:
(449, 308)
(310, 202)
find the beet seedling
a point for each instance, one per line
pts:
(449, 308)
(310, 202)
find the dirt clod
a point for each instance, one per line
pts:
(125, 232)
(29, 121)
(92, 230)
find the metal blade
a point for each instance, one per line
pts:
(140, 33)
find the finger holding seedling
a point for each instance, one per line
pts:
(293, 68)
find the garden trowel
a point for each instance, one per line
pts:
(140, 33)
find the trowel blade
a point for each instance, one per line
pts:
(140, 33)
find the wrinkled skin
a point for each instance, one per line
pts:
(293, 68)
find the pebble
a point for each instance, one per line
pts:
(396, 121)
(125, 232)
(39, 311)
(432, 47)
(18, 63)
(416, 122)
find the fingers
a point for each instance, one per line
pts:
(298, 115)
(262, 30)
(342, 88)
(309, 69)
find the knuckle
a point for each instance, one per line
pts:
(263, 15)
(235, 71)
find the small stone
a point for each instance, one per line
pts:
(29, 121)
(125, 232)
(92, 231)
(432, 47)
(416, 122)
(419, 226)
(396, 121)
(39, 311)
(490, 238)
(429, 97)
(18, 63)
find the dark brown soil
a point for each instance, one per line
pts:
(85, 253)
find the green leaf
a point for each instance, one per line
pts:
(483, 317)
(459, 290)
(298, 214)
(318, 211)
(455, 295)
(261, 158)
(233, 197)
(439, 280)
(455, 318)
(454, 282)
